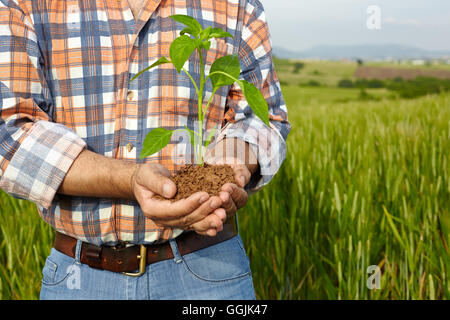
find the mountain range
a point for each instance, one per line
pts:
(365, 52)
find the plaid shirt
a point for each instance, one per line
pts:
(65, 67)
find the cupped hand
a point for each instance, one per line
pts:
(233, 195)
(237, 154)
(200, 212)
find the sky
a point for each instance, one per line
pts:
(302, 24)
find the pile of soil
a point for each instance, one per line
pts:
(209, 178)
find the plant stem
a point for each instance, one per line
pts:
(200, 107)
(199, 94)
(192, 80)
(210, 100)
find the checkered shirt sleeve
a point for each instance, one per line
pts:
(35, 153)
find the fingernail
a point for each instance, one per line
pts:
(203, 199)
(166, 190)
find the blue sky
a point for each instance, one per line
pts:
(301, 24)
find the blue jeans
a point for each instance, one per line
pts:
(221, 271)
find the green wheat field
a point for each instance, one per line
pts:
(366, 182)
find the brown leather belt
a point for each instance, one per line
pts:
(127, 259)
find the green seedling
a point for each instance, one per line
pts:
(224, 71)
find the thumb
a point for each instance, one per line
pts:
(157, 179)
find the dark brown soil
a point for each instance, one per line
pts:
(209, 178)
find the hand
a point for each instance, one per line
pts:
(199, 212)
(234, 196)
(239, 156)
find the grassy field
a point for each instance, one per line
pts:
(326, 73)
(364, 183)
(410, 65)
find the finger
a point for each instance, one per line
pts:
(184, 220)
(209, 232)
(168, 210)
(242, 175)
(156, 178)
(228, 203)
(239, 195)
(210, 222)
(221, 214)
(206, 210)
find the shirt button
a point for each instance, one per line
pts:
(129, 146)
(130, 95)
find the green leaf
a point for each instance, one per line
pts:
(219, 33)
(394, 228)
(186, 30)
(155, 140)
(210, 136)
(229, 65)
(205, 33)
(256, 100)
(206, 45)
(181, 49)
(193, 24)
(160, 61)
(444, 219)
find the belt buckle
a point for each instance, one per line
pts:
(142, 256)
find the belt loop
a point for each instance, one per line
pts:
(176, 253)
(78, 252)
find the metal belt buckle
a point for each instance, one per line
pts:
(142, 263)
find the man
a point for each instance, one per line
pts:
(72, 127)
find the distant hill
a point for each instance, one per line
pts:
(367, 52)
